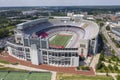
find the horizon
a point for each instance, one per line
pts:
(68, 6)
(14, 3)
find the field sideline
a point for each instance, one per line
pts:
(60, 40)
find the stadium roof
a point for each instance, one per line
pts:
(91, 28)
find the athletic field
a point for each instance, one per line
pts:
(64, 76)
(60, 40)
(25, 76)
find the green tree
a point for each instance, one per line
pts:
(111, 68)
(113, 51)
(118, 77)
(101, 24)
(109, 60)
(102, 56)
(107, 73)
(100, 65)
(116, 68)
(108, 28)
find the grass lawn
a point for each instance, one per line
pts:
(40, 76)
(10, 27)
(3, 74)
(10, 69)
(5, 62)
(60, 40)
(16, 76)
(63, 76)
(25, 76)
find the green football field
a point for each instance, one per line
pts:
(25, 76)
(60, 40)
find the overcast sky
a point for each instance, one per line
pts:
(57, 2)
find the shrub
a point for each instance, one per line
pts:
(111, 68)
(15, 63)
(116, 68)
(118, 77)
(5, 62)
(105, 68)
(78, 68)
(109, 60)
(100, 65)
(108, 28)
(85, 68)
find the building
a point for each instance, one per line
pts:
(31, 12)
(116, 31)
(32, 41)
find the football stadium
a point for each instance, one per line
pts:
(57, 42)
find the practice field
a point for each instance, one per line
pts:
(60, 40)
(25, 76)
(63, 76)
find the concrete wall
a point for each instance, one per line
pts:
(34, 55)
(83, 47)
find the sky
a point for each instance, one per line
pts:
(57, 2)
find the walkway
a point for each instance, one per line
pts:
(95, 61)
(111, 74)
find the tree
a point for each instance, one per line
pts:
(4, 33)
(105, 68)
(100, 65)
(102, 56)
(107, 73)
(110, 68)
(116, 62)
(109, 60)
(116, 68)
(108, 28)
(118, 77)
(1, 49)
(101, 24)
(113, 51)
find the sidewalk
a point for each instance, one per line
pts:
(111, 74)
(23, 67)
(95, 61)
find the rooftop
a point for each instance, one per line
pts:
(91, 29)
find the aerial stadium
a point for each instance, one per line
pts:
(55, 42)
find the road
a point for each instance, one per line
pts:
(110, 42)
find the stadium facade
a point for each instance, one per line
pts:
(31, 42)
